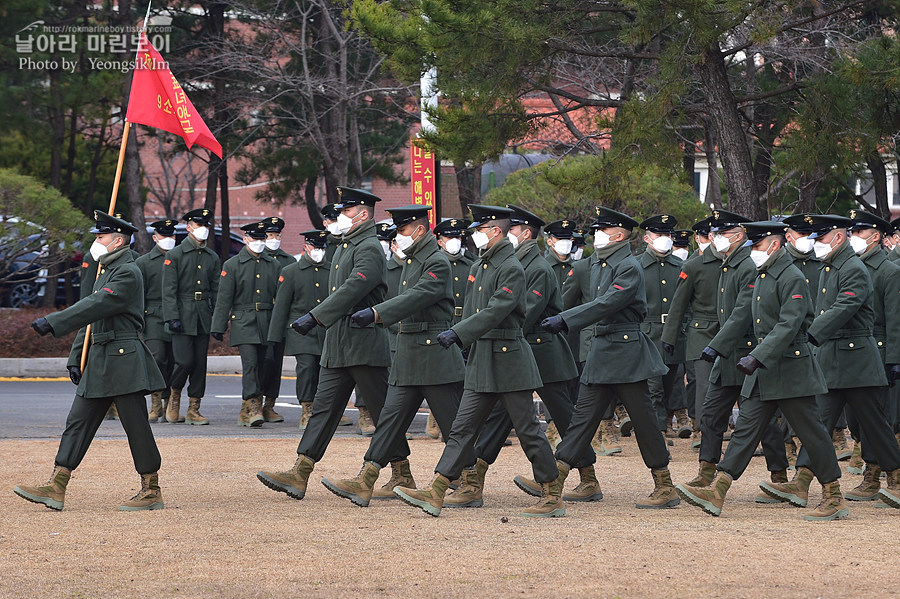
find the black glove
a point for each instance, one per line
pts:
(465, 354)
(448, 338)
(668, 348)
(175, 326)
(554, 325)
(893, 373)
(304, 324)
(748, 364)
(812, 339)
(709, 354)
(41, 326)
(217, 336)
(75, 374)
(363, 318)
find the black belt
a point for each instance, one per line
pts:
(105, 337)
(608, 329)
(457, 311)
(421, 327)
(258, 307)
(845, 333)
(503, 334)
(654, 318)
(196, 296)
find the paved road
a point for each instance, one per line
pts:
(37, 409)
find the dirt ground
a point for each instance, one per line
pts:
(223, 534)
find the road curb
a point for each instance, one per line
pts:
(45, 367)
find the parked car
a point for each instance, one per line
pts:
(24, 275)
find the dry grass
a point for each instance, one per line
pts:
(224, 535)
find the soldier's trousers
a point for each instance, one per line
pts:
(85, 417)
(593, 402)
(702, 370)
(253, 362)
(400, 406)
(882, 397)
(162, 354)
(667, 394)
(271, 382)
(332, 395)
(558, 401)
(716, 411)
(189, 356)
(755, 416)
(872, 424)
(307, 371)
(474, 408)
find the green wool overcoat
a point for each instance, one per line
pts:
(246, 297)
(737, 274)
(190, 283)
(301, 287)
(695, 300)
(660, 280)
(151, 267)
(886, 302)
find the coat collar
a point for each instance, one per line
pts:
(246, 256)
(553, 257)
(156, 253)
(737, 256)
(423, 248)
(363, 231)
(527, 252)
(783, 260)
(843, 253)
(875, 258)
(649, 257)
(500, 251)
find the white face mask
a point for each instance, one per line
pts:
(317, 255)
(403, 241)
(702, 245)
(386, 246)
(513, 240)
(453, 245)
(662, 244)
(345, 223)
(821, 249)
(400, 253)
(98, 250)
(680, 253)
(759, 257)
(804, 245)
(273, 244)
(859, 244)
(333, 228)
(601, 239)
(480, 239)
(257, 245)
(721, 243)
(201, 233)
(563, 246)
(166, 243)
(578, 254)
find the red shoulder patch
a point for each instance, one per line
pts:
(683, 275)
(536, 292)
(281, 278)
(849, 293)
(507, 290)
(108, 290)
(751, 286)
(796, 297)
(166, 262)
(619, 287)
(471, 279)
(433, 276)
(84, 265)
(224, 273)
(571, 272)
(362, 276)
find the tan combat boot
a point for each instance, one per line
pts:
(193, 415)
(52, 493)
(696, 437)
(357, 489)
(704, 477)
(306, 408)
(663, 495)
(269, 413)
(790, 451)
(606, 441)
(112, 413)
(551, 503)
(242, 415)
(625, 425)
(254, 412)
(173, 409)
(832, 506)
(841, 449)
(670, 432)
(431, 427)
(430, 499)
(156, 408)
(469, 492)
(795, 492)
(365, 426)
(586, 490)
(890, 493)
(552, 435)
(149, 497)
(401, 476)
(293, 482)
(683, 426)
(709, 499)
(856, 463)
(868, 489)
(779, 477)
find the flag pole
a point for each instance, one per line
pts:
(115, 193)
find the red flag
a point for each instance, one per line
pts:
(157, 100)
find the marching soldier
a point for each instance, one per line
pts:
(330, 213)
(421, 368)
(735, 288)
(781, 374)
(275, 354)
(500, 367)
(892, 242)
(555, 365)
(866, 234)
(695, 296)
(302, 286)
(848, 355)
(190, 283)
(155, 336)
(661, 271)
(245, 300)
(352, 354)
(622, 357)
(119, 369)
(681, 243)
(578, 243)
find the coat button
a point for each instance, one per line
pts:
(257, 276)
(335, 266)
(663, 281)
(345, 246)
(723, 290)
(757, 321)
(880, 343)
(603, 265)
(479, 288)
(696, 324)
(234, 316)
(199, 266)
(624, 336)
(797, 352)
(827, 269)
(851, 345)
(724, 269)
(665, 299)
(121, 350)
(198, 282)
(257, 291)
(404, 283)
(317, 269)
(823, 290)
(538, 339)
(457, 295)
(317, 284)
(409, 261)
(757, 298)
(455, 278)
(102, 271)
(318, 301)
(503, 348)
(762, 276)
(821, 311)
(749, 343)
(428, 342)
(333, 288)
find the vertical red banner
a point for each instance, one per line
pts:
(422, 177)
